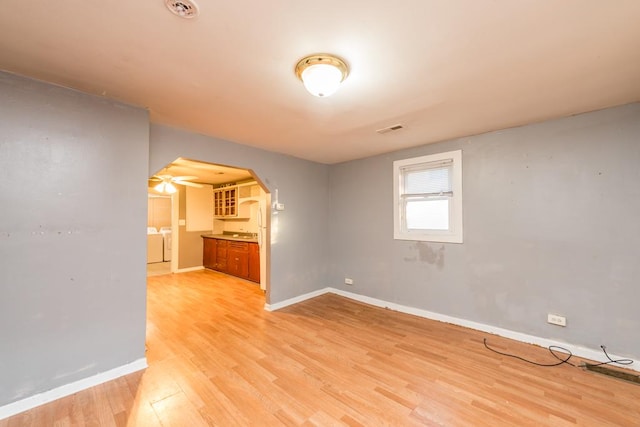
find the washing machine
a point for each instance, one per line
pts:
(154, 245)
(166, 238)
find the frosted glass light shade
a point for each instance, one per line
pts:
(321, 79)
(170, 188)
(321, 74)
(165, 187)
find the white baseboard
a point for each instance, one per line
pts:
(68, 389)
(579, 351)
(295, 300)
(186, 270)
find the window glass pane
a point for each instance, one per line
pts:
(427, 214)
(434, 180)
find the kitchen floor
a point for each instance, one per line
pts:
(158, 268)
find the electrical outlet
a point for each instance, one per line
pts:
(348, 281)
(556, 319)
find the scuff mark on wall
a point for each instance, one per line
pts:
(75, 372)
(427, 254)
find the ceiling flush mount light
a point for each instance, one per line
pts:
(182, 8)
(322, 73)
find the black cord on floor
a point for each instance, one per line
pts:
(552, 349)
(617, 361)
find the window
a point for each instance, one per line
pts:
(427, 195)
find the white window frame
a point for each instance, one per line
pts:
(454, 233)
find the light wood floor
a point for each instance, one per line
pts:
(158, 268)
(217, 358)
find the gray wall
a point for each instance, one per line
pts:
(550, 225)
(299, 256)
(72, 236)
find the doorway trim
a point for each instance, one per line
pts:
(175, 231)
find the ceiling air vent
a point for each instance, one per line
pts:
(389, 129)
(183, 8)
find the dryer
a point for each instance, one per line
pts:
(166, 238)
(154, 245)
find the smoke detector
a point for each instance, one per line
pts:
(183, 8)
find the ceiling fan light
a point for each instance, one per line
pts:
(165, 187)
(322, 74)
(170, 188)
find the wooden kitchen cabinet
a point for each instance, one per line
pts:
(238, 259)
(225, 202)
(254, 262)
(209, 253)
(221, 255)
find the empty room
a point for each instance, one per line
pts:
(357, 213)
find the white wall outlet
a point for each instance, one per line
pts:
(348, 281)
(556, 319)
(278, 206)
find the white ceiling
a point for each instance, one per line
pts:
(442, 68)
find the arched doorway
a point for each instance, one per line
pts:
(195, 188)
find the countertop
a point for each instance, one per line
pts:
(235, 237)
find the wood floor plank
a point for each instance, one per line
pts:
(217, 358)
(177, 411)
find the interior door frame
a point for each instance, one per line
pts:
(175, 231)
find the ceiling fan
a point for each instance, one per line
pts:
(166, 184)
